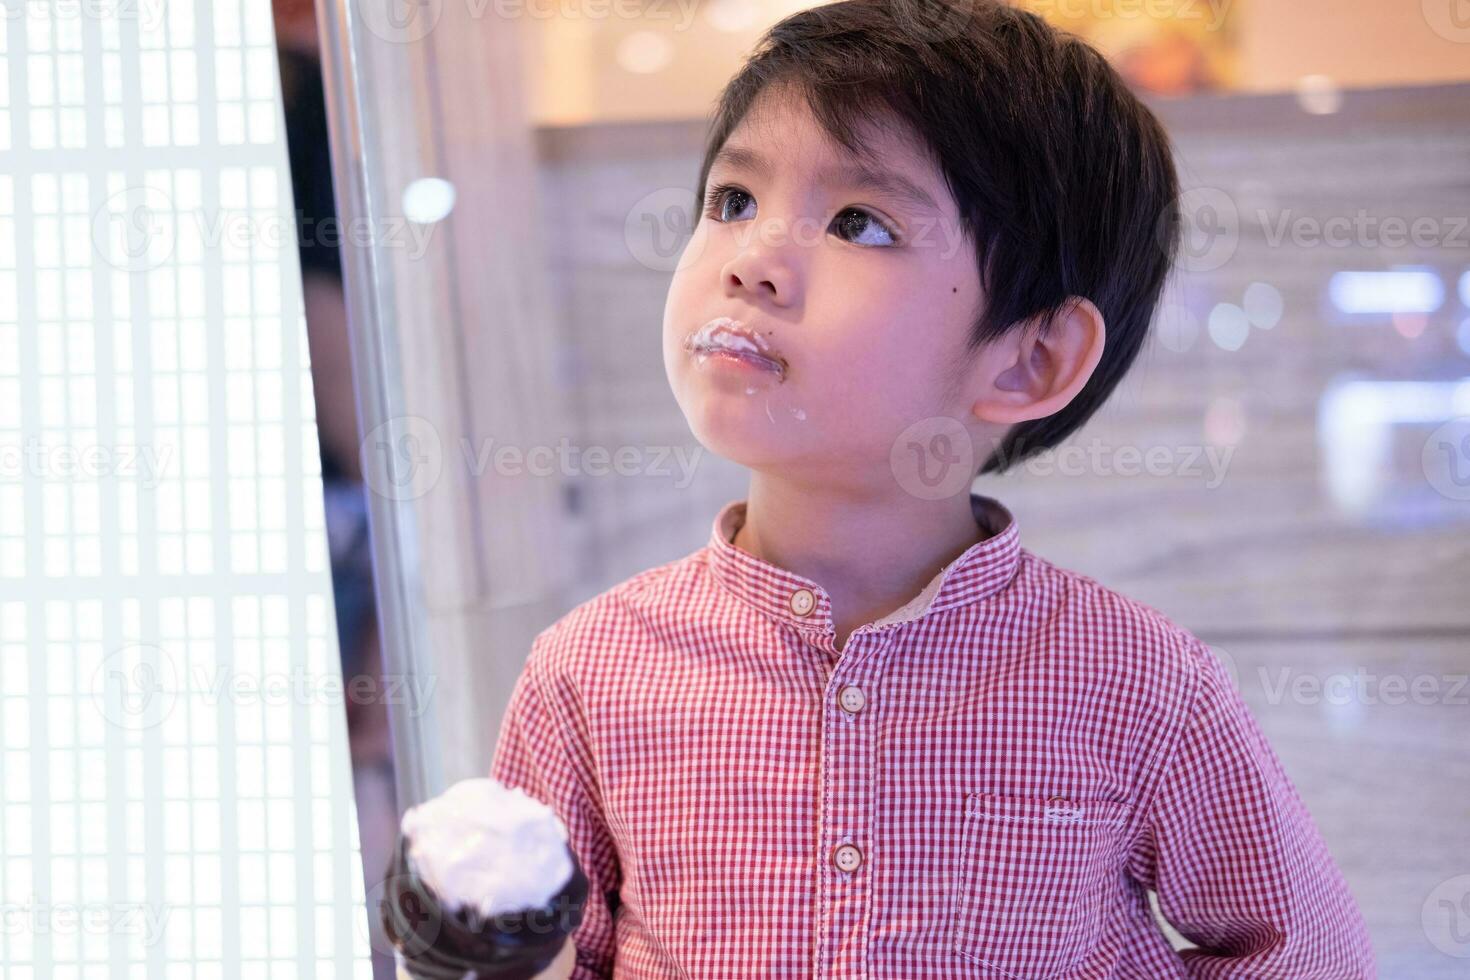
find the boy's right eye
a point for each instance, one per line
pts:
(716, 199)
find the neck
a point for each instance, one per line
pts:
(871, 551)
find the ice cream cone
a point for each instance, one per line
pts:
(561, 969)
(478, 898)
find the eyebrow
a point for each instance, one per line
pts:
(846, 174)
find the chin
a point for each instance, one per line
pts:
(739, 432)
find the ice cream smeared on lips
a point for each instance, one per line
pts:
(451, 835)
(724, 335)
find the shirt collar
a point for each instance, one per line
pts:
(983, 569)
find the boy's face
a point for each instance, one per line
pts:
(862, 296)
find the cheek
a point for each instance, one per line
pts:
(890, 373)
(696, 273)
(879, 358)
(881, 389)
(699, 260)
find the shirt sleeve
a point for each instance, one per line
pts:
(1239, 867)
(532, 753)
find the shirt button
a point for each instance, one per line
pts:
(851, 699)
(847, 858)
(803, 602)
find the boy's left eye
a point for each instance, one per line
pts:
(865, 228)
(856, 221)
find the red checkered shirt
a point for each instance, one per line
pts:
(986, 782)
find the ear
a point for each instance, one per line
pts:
(1031, 373)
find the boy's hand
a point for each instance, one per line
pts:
(1237, 862)
(561, 968)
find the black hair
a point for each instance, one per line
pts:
(1064, 180)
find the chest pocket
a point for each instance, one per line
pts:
(1032, 881)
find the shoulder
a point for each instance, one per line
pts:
(1105, 633)
(608, 626)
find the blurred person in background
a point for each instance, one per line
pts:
(319, 238)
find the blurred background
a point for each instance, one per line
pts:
(1296, 436)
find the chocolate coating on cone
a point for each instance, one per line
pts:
(438, 944)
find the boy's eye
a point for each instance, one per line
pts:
(856, 221)
(718, 197)
(853, 224)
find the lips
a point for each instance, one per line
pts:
(727, 336)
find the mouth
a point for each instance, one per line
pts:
(727, 341)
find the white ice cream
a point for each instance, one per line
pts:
(487, 846)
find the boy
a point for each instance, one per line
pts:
(863, 732)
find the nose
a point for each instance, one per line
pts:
(763, 271)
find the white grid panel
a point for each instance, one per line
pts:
(175, 788)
